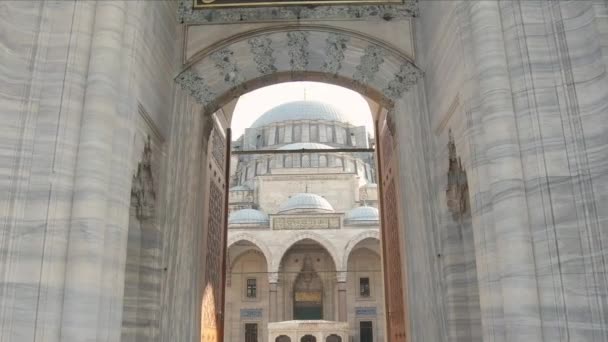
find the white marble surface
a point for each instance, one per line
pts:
(525, 83)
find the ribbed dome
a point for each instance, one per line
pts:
(362, 215)
(306, 202)
(248, 216)
(306, 145)
(302, 110)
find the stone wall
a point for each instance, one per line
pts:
(71, 87)
(523, 92)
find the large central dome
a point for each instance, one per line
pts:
(302, 110)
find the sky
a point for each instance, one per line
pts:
(253, 104)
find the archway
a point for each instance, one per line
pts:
(383, 74)
(246, 277)
(307, 281)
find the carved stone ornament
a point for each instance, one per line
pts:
(457, 192)
(143, 196)
(407, 76)
(334, 52)
(262, 54)
(369, 65)
(224, 61)
(188, 15)
(190, 81)
(297, 43)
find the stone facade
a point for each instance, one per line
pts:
(522, 85)
(283, 212)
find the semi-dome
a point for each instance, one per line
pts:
(248, 216)
(305, 145)
(306, 202)
(302, 110)
(362, 215)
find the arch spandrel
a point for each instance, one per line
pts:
(294, 53)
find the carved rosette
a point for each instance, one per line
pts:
(334, 51)
(407, 77)
(190, 81)
(457, 192)
(369, 65)
(224, 61)
(143, 195)
(297, 43)
(262, 54)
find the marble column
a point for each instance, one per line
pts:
(510, 226)
(97, 214)
(342, 301)
(272, 307)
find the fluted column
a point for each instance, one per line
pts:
(96, 221)
(508, 223)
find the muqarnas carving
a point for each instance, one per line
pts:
(143, 196)
(457, 192)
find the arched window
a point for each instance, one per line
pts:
(333, 338)
(288, 162)
(322, 161)
(305, 161)
(308, 338)
(282, 338)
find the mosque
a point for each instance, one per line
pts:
(129, 212)
(303, 230)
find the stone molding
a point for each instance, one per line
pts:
(234, 82)
(187, 15)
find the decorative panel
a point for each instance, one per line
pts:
(396, 305)
(215, 239)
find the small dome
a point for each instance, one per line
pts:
(306, 145)
(248, 216)
(306, 202)
(362, 215)
(302, 110)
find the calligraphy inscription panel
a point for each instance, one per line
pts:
(200, 4)
(294, 223)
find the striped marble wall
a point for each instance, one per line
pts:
(530, 80)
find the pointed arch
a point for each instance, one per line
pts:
(243, 236)
(352, 243)
(329, 247)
